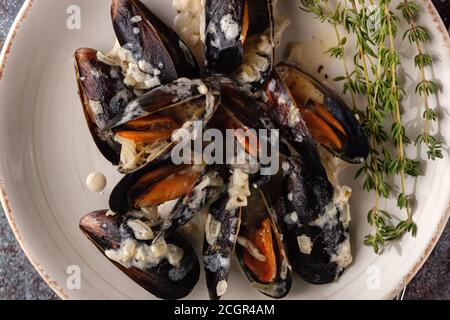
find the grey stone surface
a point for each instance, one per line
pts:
(8, 11)
(18, 279)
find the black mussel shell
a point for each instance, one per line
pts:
(184, 101)
(163, 281)
(260, 209)
(222, 229)
(298, 99)
(317, 233)
(149, 39)
(223, 35)
(103, 95)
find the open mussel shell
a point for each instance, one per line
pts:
(261, 251)
(151, 41)
(222, 229)
(147, 125)
(168, 97)
(165, 281)
(316, 220)
(103, 95)
(297, 98)
(155, 185)
(124, 195)
(186, 188)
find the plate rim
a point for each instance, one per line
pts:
(53, 284)
(4, 200)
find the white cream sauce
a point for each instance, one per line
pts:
(96, 181)
(139, 75)
(142, 256)
(343, 258)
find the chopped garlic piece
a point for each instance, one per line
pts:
(137, 74)
(136, 19)
(305, 244)
(129, 250)
(159, 249)
(110, 213)
(291, 218)
(251, 248)
(141, 230)
(128, 155)
(238, 191)
(174, 255)
(95, 107)
(203, 89)
(222, 288)
(114, 255)
(213, 229)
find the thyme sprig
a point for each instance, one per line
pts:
(418, 35)
(375, 76)
(402, 165)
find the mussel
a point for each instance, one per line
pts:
(177, 192)
(168, 269)
(316, 217)
(103, 94)
(239, 39)
(146, 128)
(148, 54)
(295, 98)
(261, 252)
(149, 47)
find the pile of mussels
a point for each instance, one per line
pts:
(135, 100)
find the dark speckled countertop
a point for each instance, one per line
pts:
(18, 279)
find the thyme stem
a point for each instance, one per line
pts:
(380, 85)
(417, 34)
(397, 114)
(344, 62)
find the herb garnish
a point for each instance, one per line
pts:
(375, 76)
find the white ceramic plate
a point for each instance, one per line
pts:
(46, 153)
